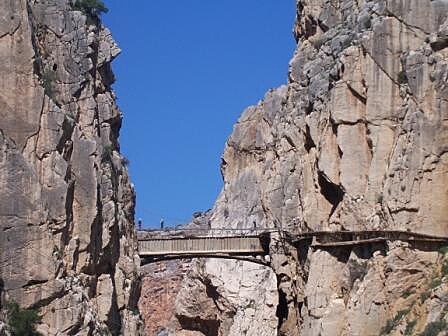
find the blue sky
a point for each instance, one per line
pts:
(187, 71)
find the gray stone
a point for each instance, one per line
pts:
(67, 245)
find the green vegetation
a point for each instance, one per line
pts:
(107, 153)
(410, 327)
(424, 296)
(48, 80)
(401, 314)
(91, 7)
(445, 268)
(22, 322)
(443, 250)
(56, 252)
(387, 329)
(406, 294)
(434, 328)
(250, 304)
(436, 282)
(392, 324)
(319, 41)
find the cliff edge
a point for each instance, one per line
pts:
(356, 140)
(67, 241)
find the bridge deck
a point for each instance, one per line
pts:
(201, 245)
(158, 245)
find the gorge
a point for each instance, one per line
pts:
(356, 140)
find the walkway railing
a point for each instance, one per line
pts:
(193, 242)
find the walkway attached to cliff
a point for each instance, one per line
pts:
(253, 245)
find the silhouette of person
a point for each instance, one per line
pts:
(140, 224)
(162, 222)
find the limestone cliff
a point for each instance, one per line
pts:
(160, 285)
(67, 241)
(356, 140)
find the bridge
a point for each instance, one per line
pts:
(253, 245)
(240, 244)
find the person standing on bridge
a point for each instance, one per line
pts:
(140, 224)
(162, 222)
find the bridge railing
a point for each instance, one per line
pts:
(169, 233)
(201, 245)
(318, 237)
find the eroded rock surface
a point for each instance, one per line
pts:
(67, 241)
(356, 140)
(160, 285)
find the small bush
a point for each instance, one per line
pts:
(48, 80)
(387, 329)
(436, 282)
(56, 252)
(91, 7)
(406, 294)
(107, 153)
(401, 314)
(410, 327)
(445, 268)
(443, 250)
(319, 42)
(434, 328)
(424, 296)
(391, 324)
(22, 322)
(250, 304)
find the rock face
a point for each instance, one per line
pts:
(160, 286)
(357, 140)
(67, 241)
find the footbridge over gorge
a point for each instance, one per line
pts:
(254, 244)
(240, 244)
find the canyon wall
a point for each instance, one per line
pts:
(356, 140)
(67, 239)
(160, 285)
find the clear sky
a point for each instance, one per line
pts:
(188, 69)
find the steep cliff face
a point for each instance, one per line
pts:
(357, 140)
(67, 241)
(160, 285)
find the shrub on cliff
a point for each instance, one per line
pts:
(22, 322)
(48, 81)
(91, 7)
(434, 328)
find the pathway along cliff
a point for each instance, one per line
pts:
(355, 141)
